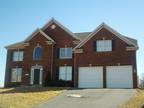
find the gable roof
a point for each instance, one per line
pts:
(15, 45)
(36, 32)
(132, 40)
(61, 26)
(22, 43)
(82, 35)
(103, 25)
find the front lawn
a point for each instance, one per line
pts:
(136, 102)
(27, 97)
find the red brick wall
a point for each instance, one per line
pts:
(45, 61)
(62, 39)
(118, 55)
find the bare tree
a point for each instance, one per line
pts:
(141, 83)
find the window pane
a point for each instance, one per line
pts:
(16, 75)
(108, 45)
(15, 56)
(21, 55)
(104, 45)
(69, 52)
(19, 74)
(18, 56)
(100, 45)
(65, 53)
(69, 73)
(62, 52)
(62, 73)
(13, 75)
(37, 53)
(65, 73)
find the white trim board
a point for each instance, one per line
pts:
(18, 45)
(36, 32)
(32, 74)
(103, 25)
(21, 44)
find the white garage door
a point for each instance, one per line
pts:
(119, 76)
(90, 77)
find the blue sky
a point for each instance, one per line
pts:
(18, 18)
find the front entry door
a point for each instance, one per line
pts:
(36, 76)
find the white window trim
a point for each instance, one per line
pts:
(38, 45)
(66, 48)
(104, 46)
(65, 79)
(18, 58)
(32, 74)
(16, 74)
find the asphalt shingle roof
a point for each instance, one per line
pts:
(83, 35)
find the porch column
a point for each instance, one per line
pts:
(41, 75)
(32, 76)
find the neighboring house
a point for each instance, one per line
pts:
(54, 56)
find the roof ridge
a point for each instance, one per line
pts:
(60, 25)
(104, 25)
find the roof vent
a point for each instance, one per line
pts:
(53, 26)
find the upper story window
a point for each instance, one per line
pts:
(65, 73)
(103, 45)
(18, 55)
(16, 74)
(37, 54)
(65, 53)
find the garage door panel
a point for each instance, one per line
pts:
(89, 85)
(119, 77)
(90, 77)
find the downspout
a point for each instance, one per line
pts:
(75, 74)
(52, 61)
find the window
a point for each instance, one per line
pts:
(16, 74)
(18, 55)
(104, 45)
(65, 73)
(65, 53)
(37, 54)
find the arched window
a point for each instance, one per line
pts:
(37, 54)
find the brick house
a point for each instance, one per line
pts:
(54, 56)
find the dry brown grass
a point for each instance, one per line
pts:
(26, 97)
(136, 102)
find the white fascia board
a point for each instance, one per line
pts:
(103, 25)
(15, 45)
(32, 35)
(44, 34)
(89, 36)
(36, 32)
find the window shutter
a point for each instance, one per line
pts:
(113, 45)
(58, 52)
(9, 56)
(95, 45)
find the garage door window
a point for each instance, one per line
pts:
(65, 73)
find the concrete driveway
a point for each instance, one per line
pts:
(91, 98)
